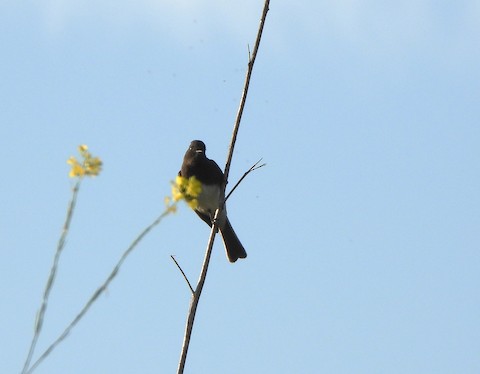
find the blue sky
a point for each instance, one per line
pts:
(362, 231)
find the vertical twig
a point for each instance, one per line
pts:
(51, 278)
(198, 290)
(196, 297)
(251, 62)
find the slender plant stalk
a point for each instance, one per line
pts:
(97, 293)
(251, 62)
(196, 297)
(183, 273)
(254, 167)
(51, 278)
(198, 290)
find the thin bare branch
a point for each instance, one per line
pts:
(254, 167)
(251, 62)
(196, 296)
(183, 273)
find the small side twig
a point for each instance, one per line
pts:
(254, 167)
(183, 273)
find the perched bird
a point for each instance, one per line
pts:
(209, 174)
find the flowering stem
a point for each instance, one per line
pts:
(51, 277)
(101, 289)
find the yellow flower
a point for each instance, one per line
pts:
(194, 187)
(177, 189)
(93, 165)
(170, 205)
(193, 203)
(90, 166)
(186, 189)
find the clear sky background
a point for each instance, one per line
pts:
(362, 232)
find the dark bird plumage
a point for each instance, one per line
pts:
(196, 163)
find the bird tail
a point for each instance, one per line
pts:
(233, 246)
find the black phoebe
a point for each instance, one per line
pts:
(208, 173)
